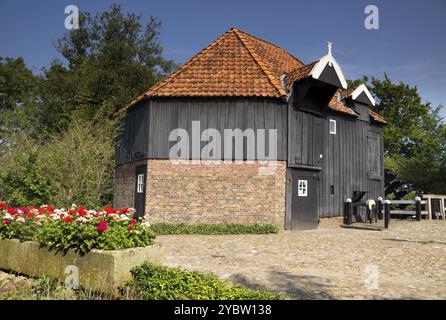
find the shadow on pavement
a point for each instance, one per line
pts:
(294, 286)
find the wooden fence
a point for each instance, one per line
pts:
(401, 212)
(428, 199)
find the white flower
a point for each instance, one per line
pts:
(145, 224)
(124, 217)
(8, 216)
(82, 219)
(20, 219)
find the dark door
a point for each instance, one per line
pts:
(140, 190)
(304, 199)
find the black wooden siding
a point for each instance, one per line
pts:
(344, 159)
(305, 140)
(345, 163)
(145, 131)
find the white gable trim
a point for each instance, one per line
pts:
(322, 63)
(362, 88)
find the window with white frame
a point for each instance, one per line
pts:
(302, 188)
(140, 184)
(332, 126)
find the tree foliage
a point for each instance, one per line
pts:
(414, 137)
(58, 129)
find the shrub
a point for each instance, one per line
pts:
(221, 228)
(77, 228)
(154, 282)
(73, 167)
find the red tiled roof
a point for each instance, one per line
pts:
(376, 116)
(345, 93)
(240, 65)
(335, 105)
(236, 64)
(298, 74)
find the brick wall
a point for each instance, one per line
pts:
(207, 193)
(124, 193)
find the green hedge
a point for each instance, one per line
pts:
(154, 282)
(221, 228)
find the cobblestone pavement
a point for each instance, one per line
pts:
(408, 261)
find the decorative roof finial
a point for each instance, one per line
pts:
(330, 46)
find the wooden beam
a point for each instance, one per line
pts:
(402, 202)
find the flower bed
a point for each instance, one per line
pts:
(77, 228)
(92, 241)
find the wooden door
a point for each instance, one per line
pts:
(140, 190)
(304, 199)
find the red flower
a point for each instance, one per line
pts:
(6, 220)
(3, 206)
(131, 227)
(123, 211)
(26, 212)
(102, 226)
(81, 212)
(68, 219)
(133, 222)
(13, 211)
(109, 210)
(29, 214)
(71, 212)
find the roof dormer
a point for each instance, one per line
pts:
(327, 70)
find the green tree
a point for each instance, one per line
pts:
(414, 137)
(69, 117)
(115, 58)
(21, 181)
(18, 91)
(81, 165)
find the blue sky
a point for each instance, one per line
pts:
(410, 44)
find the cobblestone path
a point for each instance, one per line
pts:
(408, 261)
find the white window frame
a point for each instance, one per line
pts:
(302, 188)
(332, 121)
(140, 183)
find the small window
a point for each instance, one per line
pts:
(332, 126)
(302, 188)
(140, 184)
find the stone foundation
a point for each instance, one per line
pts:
(98, 270)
